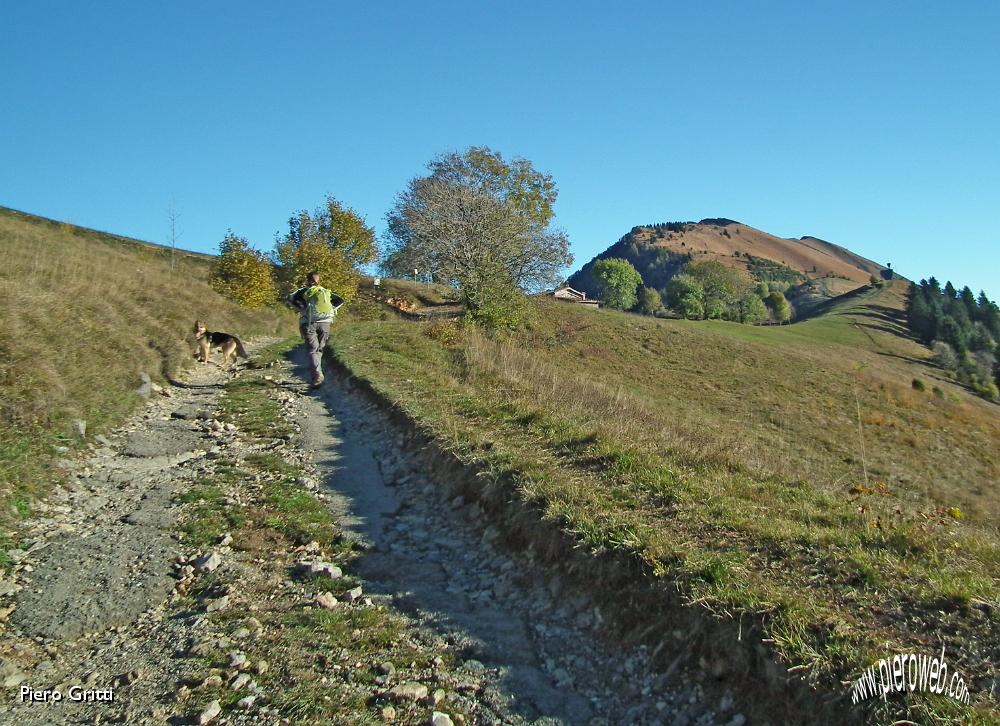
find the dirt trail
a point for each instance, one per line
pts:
(96, 598)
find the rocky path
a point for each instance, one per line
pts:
(538, 647)
(89, 595)
(111, 596)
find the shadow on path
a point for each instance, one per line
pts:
(538, 648)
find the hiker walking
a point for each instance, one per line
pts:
(317, 308)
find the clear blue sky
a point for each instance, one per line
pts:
(871, 124)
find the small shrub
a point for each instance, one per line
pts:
(918, 385)
(443, 331)
(938, 393)
(989, 391)
(499, 316)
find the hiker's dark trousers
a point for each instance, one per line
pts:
(315, 336)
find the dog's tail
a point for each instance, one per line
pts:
(240, 350)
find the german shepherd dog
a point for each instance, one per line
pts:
(226, 342)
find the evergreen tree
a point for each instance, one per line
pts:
(988, 314)
(919, 319)
(952, 334)
(949, 292)
(969, 302)
(961, 320)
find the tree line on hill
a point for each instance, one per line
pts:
(961, 329)
(475, 221)
(700, 290)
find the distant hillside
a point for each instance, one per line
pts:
(658, 251)
(82, 315)
(44, 224)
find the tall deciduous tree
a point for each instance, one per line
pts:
(515, 182)
(333, 240)
(481, 224)
(243, 274)
(617, 281)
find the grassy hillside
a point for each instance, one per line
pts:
(794, 475)
(659, 251)
(82, 315)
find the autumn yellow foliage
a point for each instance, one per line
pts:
(333, 241)
(243, 274)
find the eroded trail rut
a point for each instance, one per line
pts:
(97, 603)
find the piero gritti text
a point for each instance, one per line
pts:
(75, 694)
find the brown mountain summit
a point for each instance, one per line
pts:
(658, 251)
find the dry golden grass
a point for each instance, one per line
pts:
(82, 315)
(810, 256)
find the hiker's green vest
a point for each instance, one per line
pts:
(318, 305)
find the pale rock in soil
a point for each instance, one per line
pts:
(14, 679)
(240, 681)
(208, 563)
(219, 603)
(410, 691)
(353, 594)
(212, 681)
(326, 600)
(327, 569)
(210, 713)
